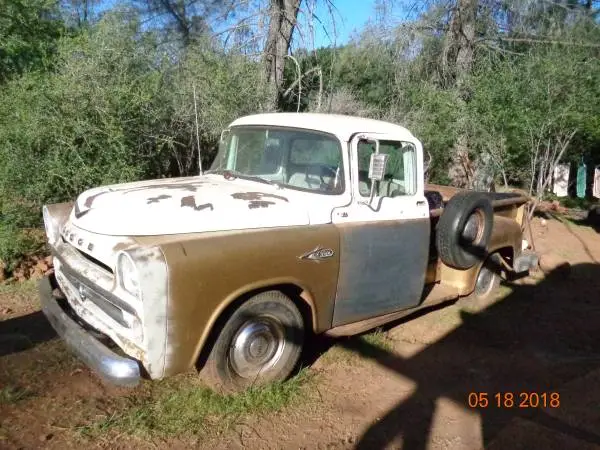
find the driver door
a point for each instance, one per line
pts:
(384, 232)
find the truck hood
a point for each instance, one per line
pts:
(186, 205)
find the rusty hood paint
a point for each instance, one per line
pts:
(186, 205)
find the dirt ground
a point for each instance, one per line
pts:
(538, 340)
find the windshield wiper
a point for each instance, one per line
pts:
(229, 174)
(214, 171)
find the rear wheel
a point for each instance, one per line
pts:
(261, 342)
(486, 284)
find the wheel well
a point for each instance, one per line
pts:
(290, 290)
(507, 254)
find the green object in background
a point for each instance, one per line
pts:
(581, 174)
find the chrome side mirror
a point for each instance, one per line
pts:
(377, 166)
(224, 135)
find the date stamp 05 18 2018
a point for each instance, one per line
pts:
(509, 400)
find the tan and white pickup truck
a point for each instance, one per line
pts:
(304, 224)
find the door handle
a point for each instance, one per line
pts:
(421, 203)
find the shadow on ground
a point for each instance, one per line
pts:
(536, 340)
(24, 332)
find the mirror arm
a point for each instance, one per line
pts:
(372, 196)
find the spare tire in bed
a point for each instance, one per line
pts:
(464, 229)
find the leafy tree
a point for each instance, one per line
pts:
(29, 30)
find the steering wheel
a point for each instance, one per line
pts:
(325, 185)
(335, 177)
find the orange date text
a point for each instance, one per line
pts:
(510, 400)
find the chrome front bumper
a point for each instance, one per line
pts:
(107, 364)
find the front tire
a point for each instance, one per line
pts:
(260, 343)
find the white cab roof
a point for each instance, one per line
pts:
(341, 126)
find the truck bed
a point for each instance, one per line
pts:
(506, 204)
(439, 195)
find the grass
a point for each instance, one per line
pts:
(13, 394)
(504, 291)
(377, 339)
(18, 298)
(43, 362)
(367, 343)
(185, 407)
(23, 288)
(573, 202)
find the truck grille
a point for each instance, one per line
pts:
(89, 257)
(109, 304)
(91, 294)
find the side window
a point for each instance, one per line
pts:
(400, 174)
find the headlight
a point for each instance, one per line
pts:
(51, 225)
(127, 274)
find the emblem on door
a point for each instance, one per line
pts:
(318, 254)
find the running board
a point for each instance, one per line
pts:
(433, 294)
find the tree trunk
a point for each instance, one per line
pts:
(458, 62)
(282, 20)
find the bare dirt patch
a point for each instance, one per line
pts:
(408, 386)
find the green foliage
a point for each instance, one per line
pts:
(368, 69)
(572, 202)
(431, 114)
(539, 87)
(29, 30)
(18, 220)
(25, 291)
(365, 69)
(375, 342)
(523, 99)
(180, 409)
(84, 124)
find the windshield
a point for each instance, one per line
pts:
(298, 159)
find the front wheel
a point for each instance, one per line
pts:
(261, 342)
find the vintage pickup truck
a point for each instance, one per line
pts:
(304, 224)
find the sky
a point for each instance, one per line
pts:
(350, 16)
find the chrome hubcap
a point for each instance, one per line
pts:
(485, 282)
(472, 230)
(257, 346)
